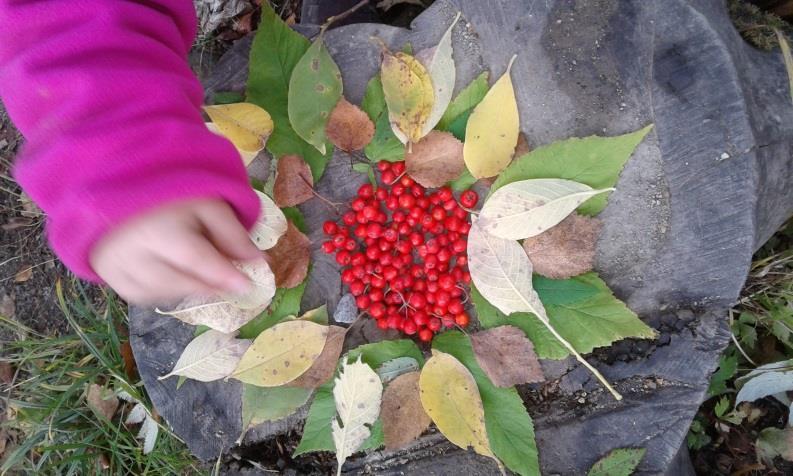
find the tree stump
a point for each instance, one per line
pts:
(708, 186)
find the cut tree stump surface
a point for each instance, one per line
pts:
(708, 185)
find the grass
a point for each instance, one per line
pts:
(53, 429)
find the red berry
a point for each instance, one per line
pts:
(393, 321)
(446, 282)
(425, 335)
(383, 165)
(350, 245)
(388, 177)
(410, 328)
(330, 227)
(370, 212)
(343, 257)
(455, 306)
(417, 300)
(407, 201)
(382, 324)
(347, 276)
(362, 301)
(438, 214)
(348, 218)
(377, 310)
(328, 247)
(376, 295)
(398, 167)
(357, 288)
(366, 191)
(374, 230)
(358, 259)
(462, 319)
(468, 199)
(434, 324)
(420, 318)
(381, 194)
(445, 193)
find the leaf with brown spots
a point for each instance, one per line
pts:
(506, 356)
(289, 258)
(322, 369)
(349, 128)
(565, 250)
(435, 159)
(404, 419)
(293, 181)
(101, 401)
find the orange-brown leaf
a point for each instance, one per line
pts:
(322, 369)
(289, 258)
(565, 250)
(293, 182)
(435, 159)
(404, 419)
(349, 128)
(506, 356)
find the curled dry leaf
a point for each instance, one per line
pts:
(322, 369)
(211, 356)
(440, 65)
(404, 419)
(567, 249)
(293, 181)
(270, 225)
(506, 356)
(529, 207)
(24, 274)
(281, 353)
(101, 401)
(349, 128)
(435, 160)
(451, 398)
(409, 94)
(246, 125)
(289, 259)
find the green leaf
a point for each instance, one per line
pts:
(293, 214)
(458, 126)
(314, 89)
(594, 161)
(227, 97)
(286, 302)
(721, 407)
(384, 144)
(317, 315)
(275, 52)
(463, 182)
(465, 101)
(619, 462)
(584, 318)
(261, 404)
(364, 168)
(373, 103)
(728, 365)
(509, 427)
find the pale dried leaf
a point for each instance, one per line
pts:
(436, 159)
(211, 356)
(23, 274)
(6, 373)
(136, 415)
(293, 181)
(349, 128)
(148, 433)
(262, 287)
(506, 356)
(213, 312)
(440, 65)
(404, 418)
(289, 258)
(270, 225)
(322, 369)
(101, 401)
(565, 250)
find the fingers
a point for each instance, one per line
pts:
(226, 232)
(195, 255)
(168, 284)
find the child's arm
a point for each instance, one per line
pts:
(110, 109)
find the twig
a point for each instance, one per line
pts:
(342, 15)
(316, 194)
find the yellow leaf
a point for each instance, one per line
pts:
(492, 130)
(409, 94)
(281, 353)
(247, 157)
(451, 398)
(246, 125)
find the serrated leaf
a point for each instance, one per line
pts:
(281, 353)
(619, 462)
(246, 125)
(492, 129)
(506, 356)
(465, 101)
(594, 161)
(211, 356)
(270, 225)
(293, 182)
(349, 128)
(529, 207)
(357, 392)
(436, 159)
(463, 182)
(322, 369)
(275, 51)
(384, 145)
(393, 368)
(247, 157)
(409, 94)
(563, 291)
(565, 250)
(286, 302)
(263, 404)
(728, 365)
(404, 419)
(451, 398)
(440, 65)
(289, 258)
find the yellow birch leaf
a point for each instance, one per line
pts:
(246, 125)
(247, 157)
(492, 130)
(451, 398)
(281, 353)
(409, 94)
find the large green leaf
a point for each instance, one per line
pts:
(465, 101)
(275, 52)
(261, 404)
(584, 318)
(286, 302)
(384, 144)
(317, 430)
(594, 161)
(509, 426)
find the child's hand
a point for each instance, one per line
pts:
(174, 251)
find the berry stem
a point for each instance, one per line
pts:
(318, 195)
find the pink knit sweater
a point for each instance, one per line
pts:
(110, 111)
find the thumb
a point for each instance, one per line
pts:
(225, 231)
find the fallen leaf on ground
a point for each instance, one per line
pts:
(393, 368)
(618, 462)
(440, 65)
(565, 250)
(404, 419)
(281, 353)
(506, 356)
(7, 306)
(293, 181)
(263, 404)
(773, 442)
(451, 398)
(101, 401)
(211, 356)
(289, 259)
(492, 130)
(349, 128)
(270, 225)
(262, 287)
(6, 373)
(130, 366)
(317, 315)
(409, 94)
(23, 274)
(322, 369)
(246, 125)
(435, 159)
(357, 393)
(247, 156)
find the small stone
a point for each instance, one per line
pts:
(582, 400)
(724, 156)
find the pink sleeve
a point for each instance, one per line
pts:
(102, 92)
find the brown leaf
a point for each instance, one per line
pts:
(23, 274)
(323, 368)
(404, 419)
(565, 250)
(349, 128)
(293, 182)
(506, 356)
(101, 401)
(7, 306)
(522, 148)
(435, 159)
(289, 258)
(6, 373)
(130, 366)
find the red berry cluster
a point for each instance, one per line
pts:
(403, 253)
